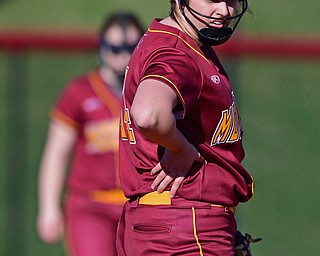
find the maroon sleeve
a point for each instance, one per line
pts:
(68, 106)
(178, 70)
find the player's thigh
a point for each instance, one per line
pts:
(215, 229)
(90, 229)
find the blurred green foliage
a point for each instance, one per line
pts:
(280, 17)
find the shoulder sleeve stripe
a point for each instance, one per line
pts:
(173, 86)
(170, 33)
(59, 116)
(108, 99)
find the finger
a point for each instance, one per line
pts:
(164, 184)
(156, 169)
(201, 159)
(175, 186)
(158, 179)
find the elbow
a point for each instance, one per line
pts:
(144, 119)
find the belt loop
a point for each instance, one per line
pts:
(230, 209)
(134, 202)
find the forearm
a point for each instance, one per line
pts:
(152, 113)
(53, 168)
(164, 132)
(51, 183)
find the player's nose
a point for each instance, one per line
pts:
(222, 9)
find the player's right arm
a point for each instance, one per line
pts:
(53, 169)
(152, 113)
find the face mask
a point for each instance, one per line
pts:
(210, 35)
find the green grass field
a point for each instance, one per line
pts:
(278, 101)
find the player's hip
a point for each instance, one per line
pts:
(175, 229)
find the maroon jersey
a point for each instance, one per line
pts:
(92, 108)
(207, 116)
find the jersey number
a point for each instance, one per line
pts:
(127, 133)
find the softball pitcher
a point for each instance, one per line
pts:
(181, 137)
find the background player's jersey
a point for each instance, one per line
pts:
(92, 108)
(207, 116)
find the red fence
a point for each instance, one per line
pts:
(239, 46)
(47, 41)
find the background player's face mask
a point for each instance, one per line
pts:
(211, 35)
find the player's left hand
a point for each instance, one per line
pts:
(174, 167)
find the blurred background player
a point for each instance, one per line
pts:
(84, 128)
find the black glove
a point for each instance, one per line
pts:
(242, 244)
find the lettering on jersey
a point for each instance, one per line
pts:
(127, 133)
(102, 136)
(124, 80)
(229, 127)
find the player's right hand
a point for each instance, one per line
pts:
(174, 167)
(50, 226)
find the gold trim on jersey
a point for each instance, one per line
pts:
(170, 33)
(111, 102)
(174, 86)
(100, 89)
(253, 184)
(59, 116)
(112, 196)
(155, 198)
